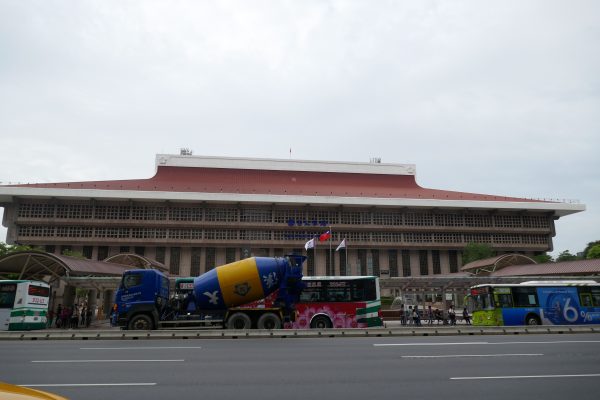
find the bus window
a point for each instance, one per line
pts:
(7, 294)
(482, 302)
(503, 297)
(525, 296)
(338, 294)
(311, 294)
(596, 296)
(585, 299)
(364, 290)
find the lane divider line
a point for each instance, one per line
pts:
(477, 355)
(523, 377)
(99, 361)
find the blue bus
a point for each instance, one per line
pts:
(536, 303)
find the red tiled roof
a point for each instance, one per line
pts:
(270, 182)
(567, 268)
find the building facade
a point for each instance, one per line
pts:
(196, 213)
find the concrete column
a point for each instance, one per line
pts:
(68, 296)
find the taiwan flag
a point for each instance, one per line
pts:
(325, 236)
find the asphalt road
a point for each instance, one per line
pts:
(465, 367)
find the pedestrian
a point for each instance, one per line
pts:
(452, 315)
(409, 315)
(50, 318)
(88, 317)
(74, 317)
(430, 315)
(466, 316)
(58, 316)
(416, 317)
(82, 316)
(402, 315)
(65, 318)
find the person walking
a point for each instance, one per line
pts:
(402, 316)
(429, 316)
(59, 311)
(466, 316)
(452, 315)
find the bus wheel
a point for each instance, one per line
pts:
(532, 319)
(140, 322)
(320, 322)
(239, 320)
(269, 321)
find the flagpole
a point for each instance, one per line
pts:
(346, 251)
(315, 256)
(331, 267)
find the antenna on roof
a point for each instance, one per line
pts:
(375, 160)
(184, 151)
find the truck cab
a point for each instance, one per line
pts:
(141, 297)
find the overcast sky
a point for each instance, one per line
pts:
(487, 97)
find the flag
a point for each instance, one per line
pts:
(342, 245)
(310, 244)
(325, 236)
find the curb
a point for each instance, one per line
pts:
(115, 334)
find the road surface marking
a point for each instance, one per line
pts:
(524, 377)
(550, 342)
(138, 348)
(427, 344)
(89, 384)
(490, 343)
(100, 361)
(476, 355)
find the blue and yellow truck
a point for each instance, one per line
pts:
(219, 297)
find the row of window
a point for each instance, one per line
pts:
(260, 235)
(367, 260)
(289, 217)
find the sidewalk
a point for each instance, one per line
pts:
(103, 324)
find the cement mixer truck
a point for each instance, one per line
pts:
(226, 296)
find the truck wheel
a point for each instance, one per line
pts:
(140, 322)
(269, 321)
(239, 320)
(320, 322)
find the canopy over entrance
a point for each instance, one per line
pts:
(490, 265)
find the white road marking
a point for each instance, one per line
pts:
(477, 343)
(550, 342)
(476, 355)
(89, 384)
(524, 377)
(100, 361)
(427, 344)
(138, 348)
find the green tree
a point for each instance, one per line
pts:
(476, 251)
(566, 256)
(543, 258)
(7, 248)
(594, 252)
(589, 247)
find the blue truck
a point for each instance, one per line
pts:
(221, 297)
